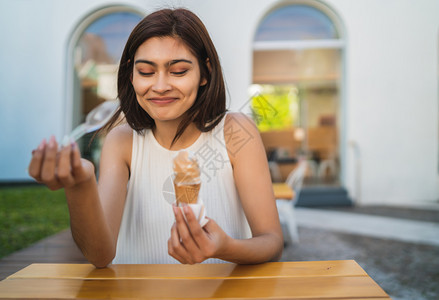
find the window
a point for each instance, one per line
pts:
(96, 55)
(297, 74)
(296, 23)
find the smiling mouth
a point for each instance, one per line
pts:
(162, 100)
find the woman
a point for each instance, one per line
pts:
(172, 97)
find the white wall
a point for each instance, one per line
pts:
(34, 37)
(31, 79)
(391, 98)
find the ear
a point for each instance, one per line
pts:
(209, 67)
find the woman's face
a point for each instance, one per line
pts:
(166, 78)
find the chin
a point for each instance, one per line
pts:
(167, 117)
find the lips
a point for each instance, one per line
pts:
(162, 100)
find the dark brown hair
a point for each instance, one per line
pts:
(210, 104)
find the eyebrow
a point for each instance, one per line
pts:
(172, 62)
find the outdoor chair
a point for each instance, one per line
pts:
(311, 169)
(285, 207)
(327, 166)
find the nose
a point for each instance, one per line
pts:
(161, 84)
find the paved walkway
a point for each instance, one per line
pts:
(411, 231)
(59, 248)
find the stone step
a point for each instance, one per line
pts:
(323, 196)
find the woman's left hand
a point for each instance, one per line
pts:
(190, 243)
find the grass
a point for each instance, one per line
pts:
(29, 214)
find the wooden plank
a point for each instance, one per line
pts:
(258, 288)
(276, 269)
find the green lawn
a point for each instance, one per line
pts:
(29, 214)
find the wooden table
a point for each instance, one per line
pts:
(282, 191)
(343, 279)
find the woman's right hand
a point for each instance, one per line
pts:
(63, 168)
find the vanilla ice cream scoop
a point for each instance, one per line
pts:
(186, 178)
(186, 169)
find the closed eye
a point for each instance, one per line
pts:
(146, 73)
(179, 73)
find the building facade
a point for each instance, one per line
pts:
(387, 82)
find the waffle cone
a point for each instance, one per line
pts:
(187, 193)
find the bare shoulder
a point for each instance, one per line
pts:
(119, 141)
(240, 134)
(120, 133)
(239, 124)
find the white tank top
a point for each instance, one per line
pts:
(148, 216)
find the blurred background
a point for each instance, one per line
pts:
(350, 87)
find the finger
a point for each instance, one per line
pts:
(34, 168)
(50, 157)
(76, 159)
(196, 231)
(176, 249)
(183, 230)
(49, 163)
(181, 243)
(173, 244)
(194, 249)
(64, 170)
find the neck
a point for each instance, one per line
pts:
(164, 133)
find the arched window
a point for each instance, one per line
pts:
(296, 23)
(297, 72)
(95, 50)
(97, 56)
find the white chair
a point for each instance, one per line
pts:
(285, 207)
(327, 165)
(311, 169)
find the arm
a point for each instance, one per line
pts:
(252, 179)
(96, 215)
(95, 211)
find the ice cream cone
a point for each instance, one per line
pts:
(186, 178)
(186, 193)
